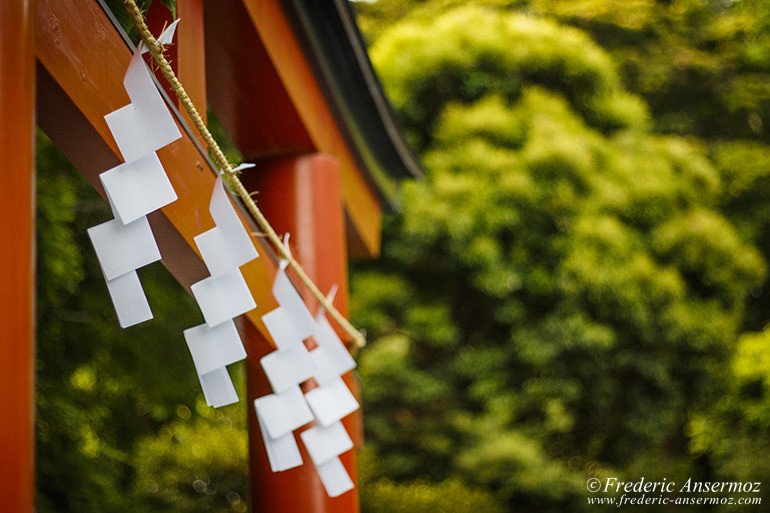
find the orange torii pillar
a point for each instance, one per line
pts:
(17, 255)
(300, 196)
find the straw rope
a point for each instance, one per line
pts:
(156, 50)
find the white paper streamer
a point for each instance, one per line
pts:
(212, 348)
(331, 357)
(144, 125)
(282, 329)
(123, 248)
(128, 298)
(287, 368)
(137, 188)
(283, 412)
(287, 409)
(218, 388)
(282, 452)
(134, 189)
(223, 297)
(290, 300)
(331, 402)
(325, 443)
(228, 245)
(334, 477)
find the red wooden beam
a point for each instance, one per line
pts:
(17, 256)
(244, 89)
(265, 93)
(286, 53)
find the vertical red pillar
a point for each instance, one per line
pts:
(17, 255)
(301, 196)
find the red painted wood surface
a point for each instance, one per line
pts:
(17, 256)
(244, 89)
(301, 196)
(258, 71)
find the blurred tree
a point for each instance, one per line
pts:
(559, 292)
(197, 462)
(701, 65)
(732, 432)
(380, 494)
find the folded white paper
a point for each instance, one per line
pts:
(282, 452)
(122, 248)
(331, 402)
(167, 36)
(129, 300)
(228, 245)
(331, 357)
(216, 251)
(134, 189)
(145, 125)
(212, 348)
(137, 188)
(283, 412)
(218, 388)
(290, 300)
(223, 297)
(288, 367)
(334, 477)
(325, 443)
(327, 369)
(282, 328)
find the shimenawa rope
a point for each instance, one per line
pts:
(156, 50)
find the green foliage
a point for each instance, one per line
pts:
(414, 436)
(196, 463)
(745, 166)
(500, 55)
(379, 494)
(519, 467)
(732, 432)
(557, 295)
(702, 66)
(423, 497)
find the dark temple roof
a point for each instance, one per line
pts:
(335, 48)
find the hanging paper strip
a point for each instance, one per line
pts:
(287, 409)
(140, 186)
(221, 297)
(330, 402)
(134, 189)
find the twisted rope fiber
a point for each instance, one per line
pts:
(156, 50)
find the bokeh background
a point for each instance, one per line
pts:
(576, 289)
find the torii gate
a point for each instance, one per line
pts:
(292, 85)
